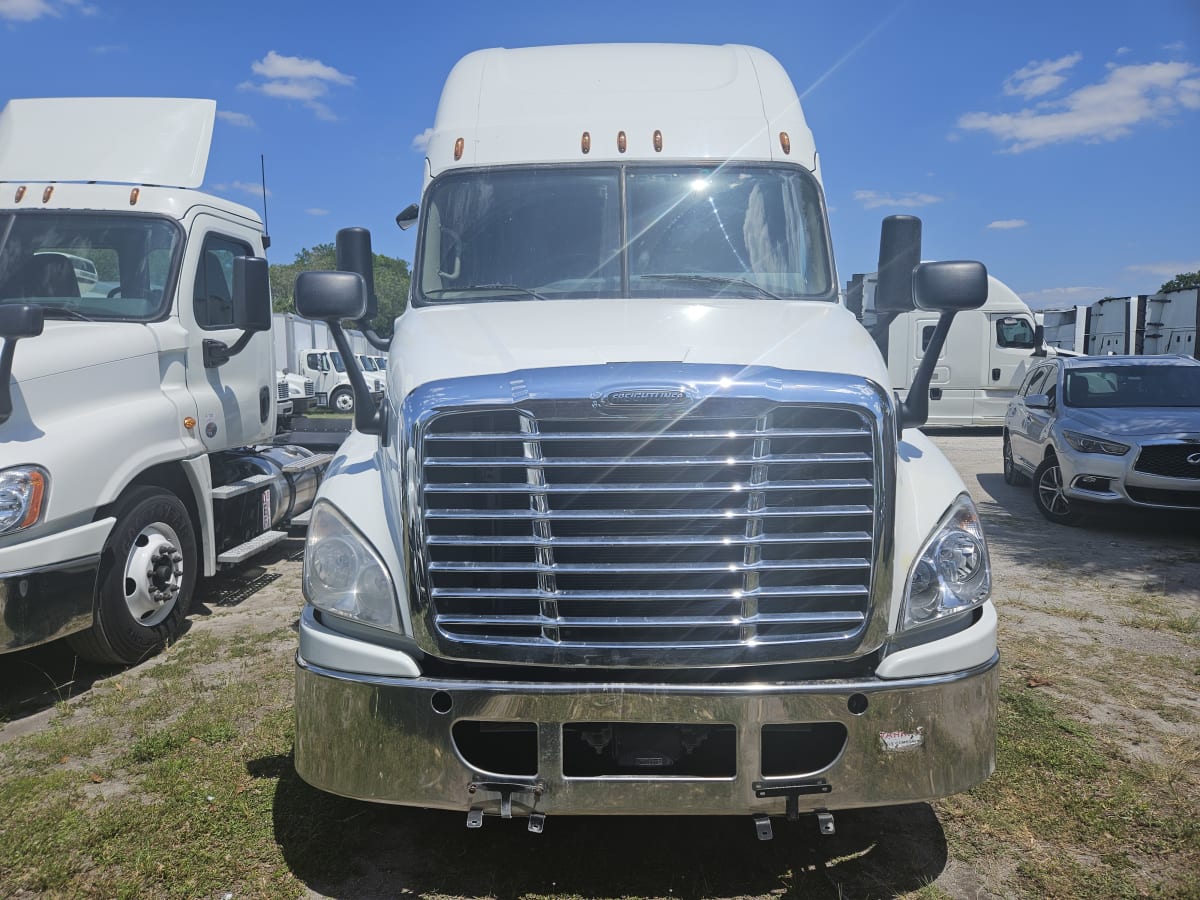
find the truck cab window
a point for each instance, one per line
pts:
(213, 293)
(1015, 332)
(88, 266)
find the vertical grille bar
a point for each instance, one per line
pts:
(755, 502)
(539, 503)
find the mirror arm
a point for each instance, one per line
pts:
(914, 412)
(366, 413)
(6, 361)
(379, 343)
(216, 353)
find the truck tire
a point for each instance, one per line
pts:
(1048, 494)
(1012, 475)
(147, 575)
(342, 400)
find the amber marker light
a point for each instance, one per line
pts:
(657, 141)
(458, 149)
(189, 423)
(20, 194)
(622, 143)
(585, 142)
(133, 196)
(47, 193)
(785, 142)
(37, 483)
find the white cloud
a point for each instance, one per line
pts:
(26, 10)
(875, 199)
(241, 120)
(1121, 51)
(243, 187)
(1166, 269)
(420, 143)
(317, 211)
(297, 78)
(1104, 111)
(1006, 224)
(104, 49)
(1039, 78)
(1175, 47)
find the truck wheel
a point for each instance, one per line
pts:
(147, 574)
(1012, 475)
(1048, 493)
(343, 400)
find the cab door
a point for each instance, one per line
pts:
(235, 401)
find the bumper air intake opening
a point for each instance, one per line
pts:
(800, 749)
(609, 749)
(500, 748)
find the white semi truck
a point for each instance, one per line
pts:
(135, 406)
(640, 526)
(986, 357)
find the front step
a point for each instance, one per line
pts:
(308, 462)
(241, 486)
(242, 552)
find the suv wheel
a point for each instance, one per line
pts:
(1012, 475)
(1048, 493)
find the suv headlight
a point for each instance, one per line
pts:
(953, 573)
(23, 491)
(1086, 443)
(343, 575)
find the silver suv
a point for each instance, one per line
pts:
(1106, 429)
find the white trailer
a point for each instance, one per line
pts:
(641, 526)
(1172, 320)
(136, 400)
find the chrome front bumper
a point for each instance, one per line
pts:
(384, 739)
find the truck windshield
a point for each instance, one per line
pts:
(336, 359)
(88, 266)
(633, 231)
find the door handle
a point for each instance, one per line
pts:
(995, 374)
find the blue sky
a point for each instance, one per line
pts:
(1057, 142)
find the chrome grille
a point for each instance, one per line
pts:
(573, 533)
(309, 388)
(281, 392)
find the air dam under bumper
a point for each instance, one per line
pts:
(385, 740)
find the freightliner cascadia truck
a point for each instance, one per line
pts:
(138, 387)
(639, 527)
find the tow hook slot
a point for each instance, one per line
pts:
(506, 790)
(791, 791)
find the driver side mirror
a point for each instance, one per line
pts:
(251, 293)
(1039, 401)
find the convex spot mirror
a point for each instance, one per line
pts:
(950, 286)
(22, 320)
(407, 217)
(251, 293)
(331, 295)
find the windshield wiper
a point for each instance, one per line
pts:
(713, 279)
(64, 312)
(487, 287)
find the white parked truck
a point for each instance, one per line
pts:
(640, 526)
(132, 404)
(986, 356)
(327, 370)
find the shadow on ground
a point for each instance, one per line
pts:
(344, 848)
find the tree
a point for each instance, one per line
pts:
(391, 282)
(1181, 282)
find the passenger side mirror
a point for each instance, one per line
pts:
(17, 321)
(899, 255)
(354, 255)
(1039, 401)
(251, 293)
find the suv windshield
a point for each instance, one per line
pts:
(1126, 386)
(634, 231)
(88, 266)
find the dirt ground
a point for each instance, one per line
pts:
(1101, 619)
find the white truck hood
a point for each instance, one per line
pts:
(459, 340)
(66, 346)
(131, 140)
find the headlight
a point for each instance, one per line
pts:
(1085, 443)
(343, 575)
(952, 573)
(23, 491)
